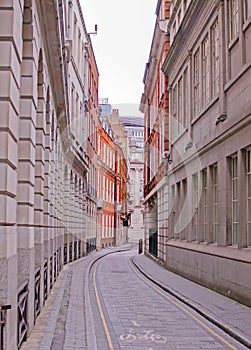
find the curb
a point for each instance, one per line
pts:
(226, 328)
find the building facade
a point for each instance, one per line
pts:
(106, 179)
(134, 127)
(115, 142)
(49, 101)
(155, 106)
(209, 72)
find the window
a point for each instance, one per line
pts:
(162, 81)
(173, 192)
(174, 119)
(185, 111)
(179, 17)
(74, 41)
(247, 9)
(249, 197)
(205, 72)
(205, 204)
(73, 102)
(234, 189)
(215, 58)
(196, 83)
(215, 202)
(174, 28)
(79, 48)
(195, 204)
(184, 5)
(179, 106)
(233, 18)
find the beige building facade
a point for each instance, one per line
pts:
(134, 127)
(155, 106)
(46, 59)
(209, 208)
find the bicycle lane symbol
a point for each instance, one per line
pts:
(145, 335)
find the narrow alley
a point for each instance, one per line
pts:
(108, 301)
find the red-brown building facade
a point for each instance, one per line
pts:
(155, 106)
(111, 188)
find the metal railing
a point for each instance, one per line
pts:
(75, 249)
(45, 280)
(51, 271)
(55, 266)
(65, 253)
(79, 249)
(22, 307)
(37, 294)
(3, 317)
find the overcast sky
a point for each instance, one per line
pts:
(122, 47)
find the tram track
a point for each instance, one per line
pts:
(205, 321)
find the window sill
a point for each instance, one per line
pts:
(204, 110)
(233, 80)
(227, 252)
(246, 24)
(233, 42)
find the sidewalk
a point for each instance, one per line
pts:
(63, 322)
(224, 312)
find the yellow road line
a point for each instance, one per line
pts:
(107, 333)
(184, 310)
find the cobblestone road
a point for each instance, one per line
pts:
(138, 316)
(135, 314)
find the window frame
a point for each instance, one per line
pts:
(234, 198)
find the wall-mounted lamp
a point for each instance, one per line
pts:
(95, 30)
(189, 145)
(221, 119)
(169, 159)
(163, 23)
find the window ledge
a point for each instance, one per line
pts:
(233, 42)
(225, 252)
(204, 110)
(246, 24)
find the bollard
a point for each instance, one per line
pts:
(140, 246)
(3, 316)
